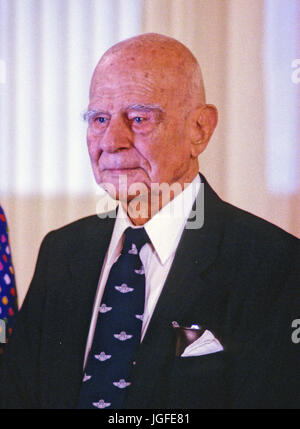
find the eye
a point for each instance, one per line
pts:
(101, 119)
(138, 119)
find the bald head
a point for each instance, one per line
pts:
(174, 65)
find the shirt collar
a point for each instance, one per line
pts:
(164, 228)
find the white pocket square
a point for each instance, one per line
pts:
(204, 345)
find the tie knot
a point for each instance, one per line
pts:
(135, 238)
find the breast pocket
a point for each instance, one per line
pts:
(199, 382)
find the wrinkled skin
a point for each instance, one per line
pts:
(147, 115)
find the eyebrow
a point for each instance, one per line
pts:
(90, 113)
(146, 107)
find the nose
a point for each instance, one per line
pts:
(116, 137)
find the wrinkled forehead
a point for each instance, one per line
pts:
(153, 69)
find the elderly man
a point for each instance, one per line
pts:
(142, 311)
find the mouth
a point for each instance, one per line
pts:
(121, 170)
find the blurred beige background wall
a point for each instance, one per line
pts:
(227, 37)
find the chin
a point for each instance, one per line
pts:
(122, 185)
(127, 194)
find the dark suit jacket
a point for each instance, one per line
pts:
(236, 276)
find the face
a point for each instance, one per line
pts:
(138, 126)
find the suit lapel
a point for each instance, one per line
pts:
(197, 250)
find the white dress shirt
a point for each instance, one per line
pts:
(164, 230)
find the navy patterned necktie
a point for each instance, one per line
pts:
(118, 330)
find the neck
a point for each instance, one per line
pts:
(143, 207)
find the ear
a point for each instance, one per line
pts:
(204, 122)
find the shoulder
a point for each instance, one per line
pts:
(79, 232)
(248, 240)
(78, 226)
(262, 253)
(255, 230)
(248, 228)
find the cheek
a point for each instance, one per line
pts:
(159, 161)
(93, 148)
(164, 148)
(169, 160)
(149, 149)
